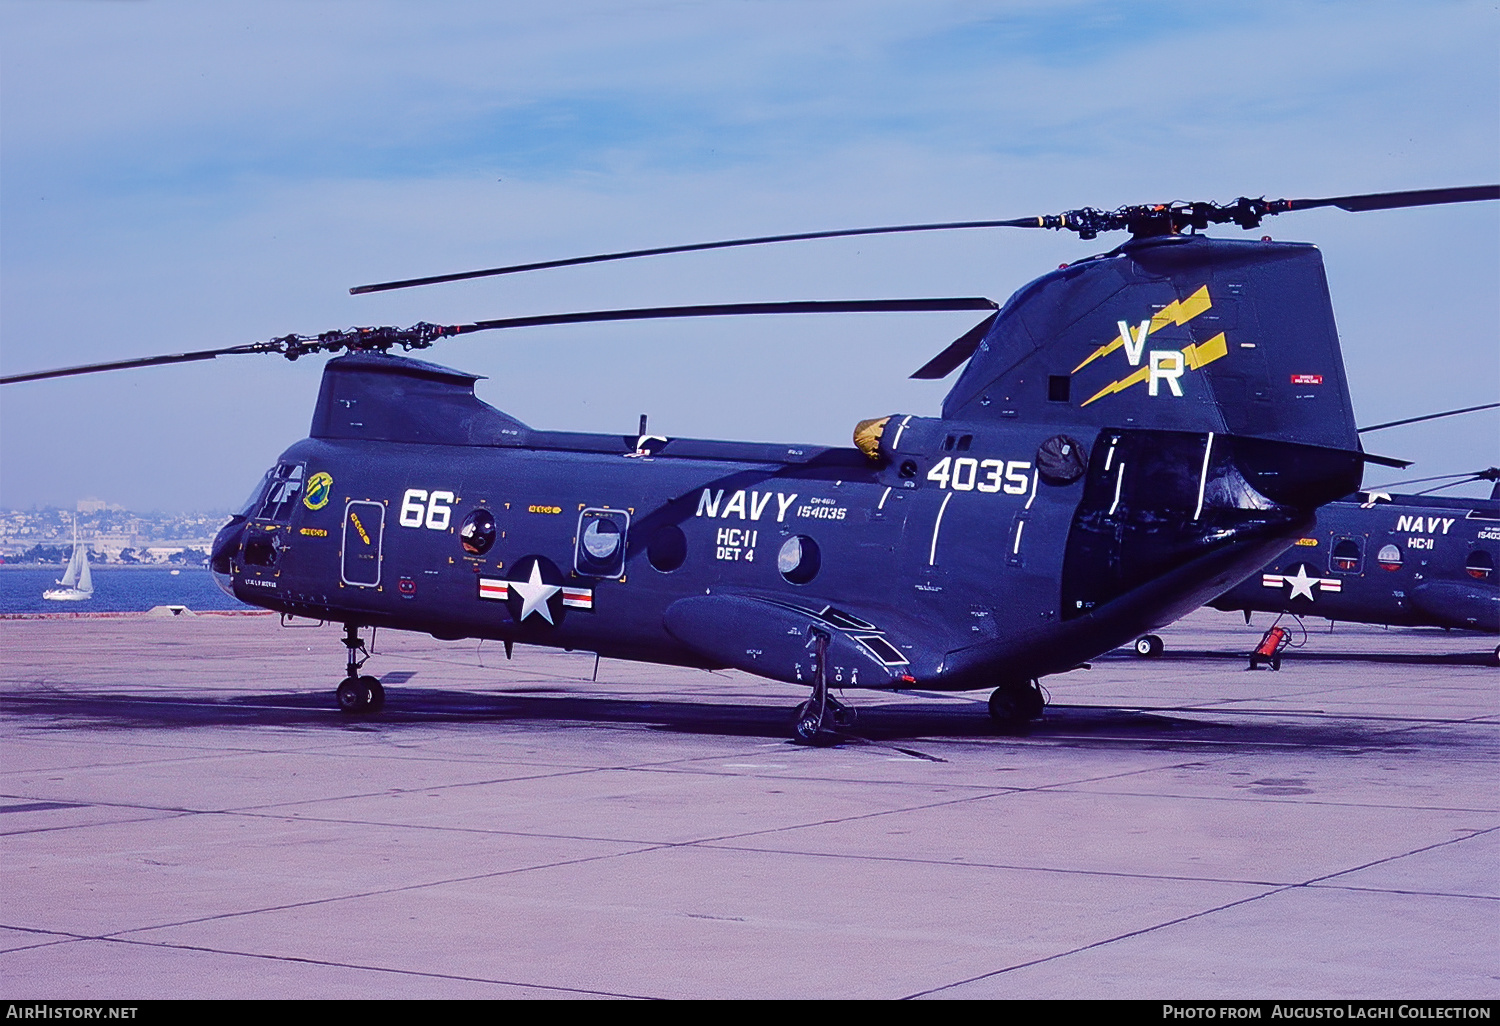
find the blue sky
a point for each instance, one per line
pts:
(177, 176)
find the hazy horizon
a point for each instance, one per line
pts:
(177, 176)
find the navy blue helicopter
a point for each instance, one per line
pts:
(1383, 558)
(1379, 557)
(1132, 435)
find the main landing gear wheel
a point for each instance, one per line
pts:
(806, 726)
(811, 723)
(1148, 646)
(1014, 707)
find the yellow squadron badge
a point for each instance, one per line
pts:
(319, 490)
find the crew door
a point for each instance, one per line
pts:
(364, 536)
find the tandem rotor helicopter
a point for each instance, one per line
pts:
(1132, 435)
(1384, 558)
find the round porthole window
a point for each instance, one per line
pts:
(1480, 565)
(1346, 555)
(1389, 557)
(601, 539)
(477, 532)
(799, 559)
(667, 549)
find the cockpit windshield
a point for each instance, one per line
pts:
(252, 501)
(277, 494)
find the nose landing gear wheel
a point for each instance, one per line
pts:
(358, 694)
(374, 694)
(353, 696)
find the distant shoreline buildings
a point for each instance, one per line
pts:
(112, 533)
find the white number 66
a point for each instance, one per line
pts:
(434, 515)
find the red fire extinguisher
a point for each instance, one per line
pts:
(1270, 648)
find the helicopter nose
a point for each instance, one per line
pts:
(221, 558)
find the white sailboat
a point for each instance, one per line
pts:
(77, 582)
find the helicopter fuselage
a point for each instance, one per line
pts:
(952, 562)
(1402, 560)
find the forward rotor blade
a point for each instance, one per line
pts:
(146, 361)
(423, 335)
(1430, 416)
(1393, 200)
(598, 258)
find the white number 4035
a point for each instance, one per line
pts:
(419, 509)
(966, 473)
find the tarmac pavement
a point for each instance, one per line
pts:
(185, 814)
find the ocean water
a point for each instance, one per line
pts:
(117, 589)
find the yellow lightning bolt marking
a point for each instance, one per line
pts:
(1196, 357)
(1175, 312)
(1121, 385)
(1208, 352)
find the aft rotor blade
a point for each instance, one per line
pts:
(651, 313)
(761, 240)
(943, 364)
(146, 361)
(1430, 416)
(1151, 219)
(1393, 200)
(1490, 474)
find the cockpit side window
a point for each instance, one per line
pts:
(284, 487)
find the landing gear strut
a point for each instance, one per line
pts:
(1015, 706)
(813, 715)
(358, 694)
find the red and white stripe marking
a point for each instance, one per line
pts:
(1324, 583)
(499, 590)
